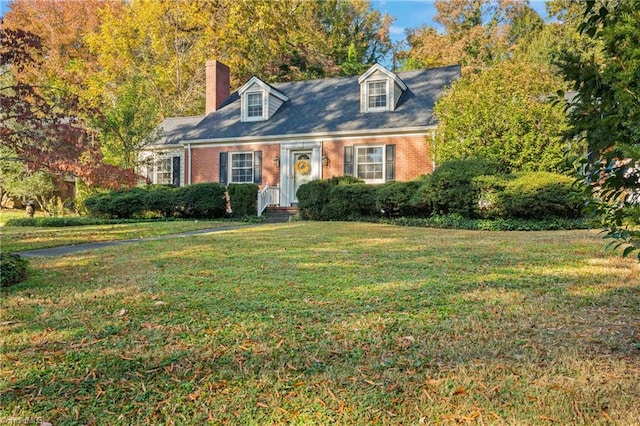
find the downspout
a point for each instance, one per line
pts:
(189, 166)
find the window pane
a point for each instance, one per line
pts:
(369, 163)
(377, 94)
(254, 105)
(242, 167)
(163, 171)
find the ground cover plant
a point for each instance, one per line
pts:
(20, 238)
(328, 323)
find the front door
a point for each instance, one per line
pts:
(302, 170)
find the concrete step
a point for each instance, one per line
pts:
(279, 214)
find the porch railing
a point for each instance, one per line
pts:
(267, 196)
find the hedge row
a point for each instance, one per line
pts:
(203, 200)
(468, 189)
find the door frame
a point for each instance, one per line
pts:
(287, 150)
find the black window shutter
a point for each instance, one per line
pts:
(176, 171)
(390, 162)
(348, 160)
(257, 167)
(223, 168)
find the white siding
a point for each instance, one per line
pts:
(274, 104)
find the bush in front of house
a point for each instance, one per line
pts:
(160, 199)
(121, 204)
(351, 202)
(201, 200)
(451, 191)
(539, 195)
(488, 190)
(313, 197)
(393, 199)
(13, 269)
(420, 201)
(243, 198)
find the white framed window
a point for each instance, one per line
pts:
(163, 171)
(370, 163)
(377, 95)
(160, 171)
(255, 109)
(241, 170)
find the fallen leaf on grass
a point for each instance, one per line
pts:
(460, 391)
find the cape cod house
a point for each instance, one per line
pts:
(376, 126)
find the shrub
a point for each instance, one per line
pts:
(97, 204)
(160, 199)
(243, 198)
(201, 200)
(351, 202)
(313, 197)
(451, 189)
(122, 204)
(488, 189)
(393, 199)
(539, 195)
(13, 269)
(421, 202)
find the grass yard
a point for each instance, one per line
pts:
(325, 323)
(19, 238)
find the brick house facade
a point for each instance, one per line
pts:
(377, 126)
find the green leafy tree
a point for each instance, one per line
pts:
(606, 114)
(129, 124)
(503, 114)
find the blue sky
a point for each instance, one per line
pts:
(413, 13)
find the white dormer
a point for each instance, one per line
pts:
(259, 101)
(380, 89)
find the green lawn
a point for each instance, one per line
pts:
(325, 323)
(19, 238)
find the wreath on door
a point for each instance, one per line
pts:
(302, 167)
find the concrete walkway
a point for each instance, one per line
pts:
(63, 250)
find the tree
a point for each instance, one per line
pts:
(477, 33)
(503, 114)
(129, 124)
(39, 124)
(62, 28)
(606, 114)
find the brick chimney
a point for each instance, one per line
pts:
(217, 85)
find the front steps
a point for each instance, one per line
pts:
(279, 214)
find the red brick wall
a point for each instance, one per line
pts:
(413, 158)
(205, 165)
(413, 155)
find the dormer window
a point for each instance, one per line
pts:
(254, 105)
(259, 101)
(377, 95)
(380, 90)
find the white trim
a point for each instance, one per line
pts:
(230, 165)
(245, 106)
(265, 87)
(384, 163)
(189, 175)
(391, 75)
(412, 131)
(368, 108)
(286, 167)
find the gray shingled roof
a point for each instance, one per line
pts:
(174, 129)
(326, 106)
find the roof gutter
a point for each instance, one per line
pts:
(319, 135)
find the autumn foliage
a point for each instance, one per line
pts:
(42, 125)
